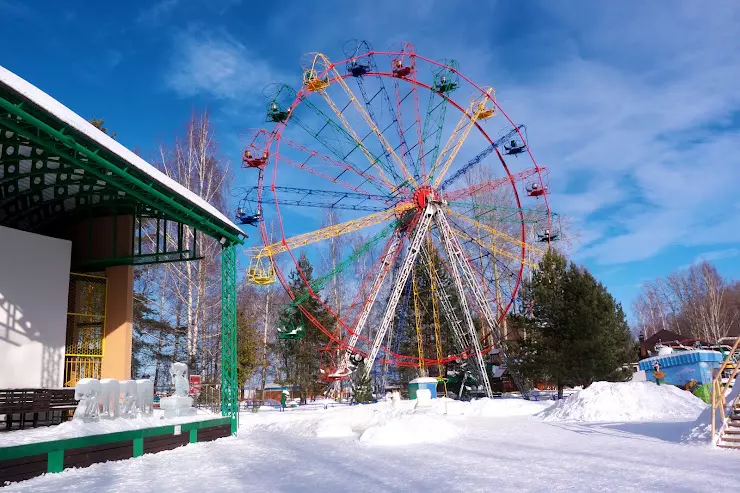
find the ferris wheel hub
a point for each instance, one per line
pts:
(423, 195)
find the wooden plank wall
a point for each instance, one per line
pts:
(22, 468)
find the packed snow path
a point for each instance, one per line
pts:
(281, 452)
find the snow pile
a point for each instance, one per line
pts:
(626, 401)
(410, 428)
(388, 422)
(499, 408)
(701, 428)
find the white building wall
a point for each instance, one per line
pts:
(34, 280)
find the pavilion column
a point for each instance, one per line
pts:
(118, 323)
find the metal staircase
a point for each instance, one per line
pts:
(729, 434)
(726, 429)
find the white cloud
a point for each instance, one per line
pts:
(157, 12)
(216, 64)
(641, 129)
(715, 255)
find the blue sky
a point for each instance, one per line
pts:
(633, 106)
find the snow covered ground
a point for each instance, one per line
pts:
(486, 445)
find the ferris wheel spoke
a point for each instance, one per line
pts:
(335, 77)
(309, 157)
(406, 150)
(384, 98)
(359, 143)
(494, 233)
(328, 199)
(480, 109)
(490, 185)
(480, 157)
(330, 134)
(331, 231)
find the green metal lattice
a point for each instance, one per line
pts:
(49, 171)
(229, 386)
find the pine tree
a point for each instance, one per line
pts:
(363, 389)
(300, 358)
(577, 333)
(246, 348)
(98, 123)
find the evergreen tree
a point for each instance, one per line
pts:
(577, 333)
(363, 389)
(247, 340)
(300, 357)
(98, 123)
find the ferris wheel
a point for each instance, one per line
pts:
(434, 186)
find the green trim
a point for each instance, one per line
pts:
(193, 435)
(55, 461)
(138, 447)
(110, 169)
(49, 447)
(229, 386)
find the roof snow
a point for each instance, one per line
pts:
(61, 112)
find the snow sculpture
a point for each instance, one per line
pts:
(423, 398)
(395, 398)
(130, 394)
(178, 404)
(87, 391)
(109, 397)
(145, 396)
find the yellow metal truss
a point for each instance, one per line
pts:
(331, 231)
(435, 307)
(417, 315)
(497, 234)
(493, 248)
(480, 109)
(336, 76)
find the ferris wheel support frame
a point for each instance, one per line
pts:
(390, 254)
(457, 260)
(425, 221)
(456, 253)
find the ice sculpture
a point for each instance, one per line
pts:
(87, 391)
(110, 394)
(130, 394)
(423, 398)
(178, 404)
(395, 398)
(145, 396)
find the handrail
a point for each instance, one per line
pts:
(719, 401)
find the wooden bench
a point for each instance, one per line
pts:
(44, 406)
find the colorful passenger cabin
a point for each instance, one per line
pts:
(261, 270)
(291, 331)
(251, 161)
(313, 82)
(78, 211)
(446, 79)
(514, 147)
(535, 190)
(546, 236)
(275, 113)
(248, 218)
(400, 69)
